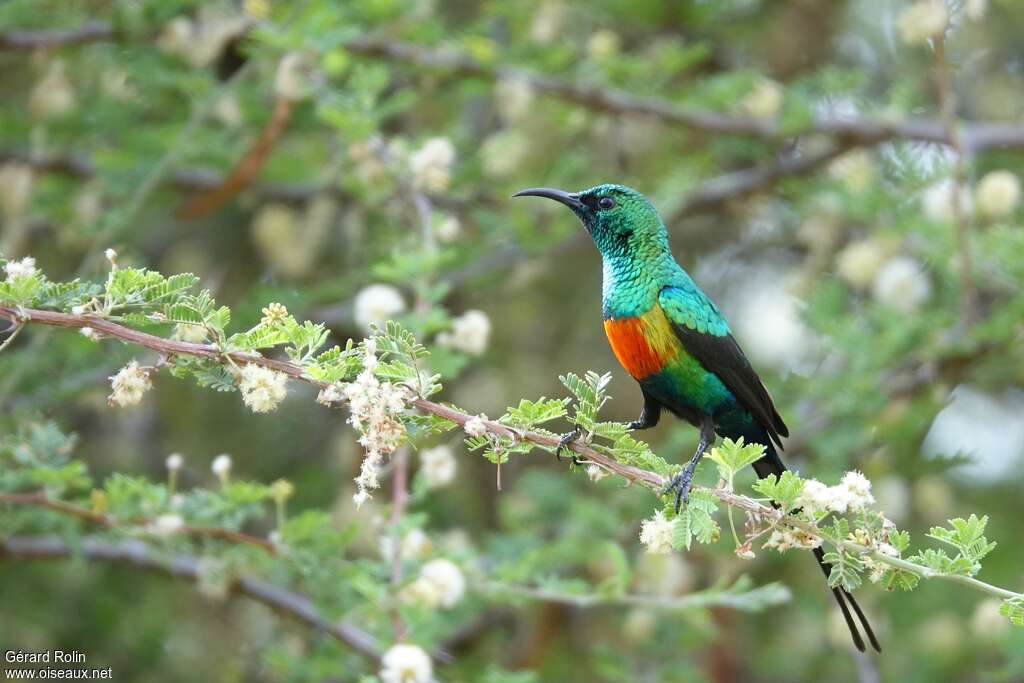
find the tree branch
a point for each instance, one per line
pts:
(855, 130)
(647, 478)
(185, 567)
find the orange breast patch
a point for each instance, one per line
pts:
(630, 345)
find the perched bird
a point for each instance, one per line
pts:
(673, 340)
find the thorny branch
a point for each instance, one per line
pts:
(649, 479)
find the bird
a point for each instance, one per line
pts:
(673, 340)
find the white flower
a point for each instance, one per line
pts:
(859, 488)
(262, 388)
(289, 82)
(470, 333)
(815, 497)
(764, 100)
(415, 544)
(16, 182)
(194, 334)
(856, 170)
(440, 584)
(175, 461)
(998, 194)
(448, 228)
(431, 165)
(786, 538)
(89, 333)
(438, 466)
(603, 44)
(221, 466)
(656, 533)
(888, 549)
(976, 9)
(923, 20)
(373, 407)
(937, 201)
(111, 256)
(332, 393)
(129, 385)
(859, 262)
(902, 284)
(548, 21)
(166, 525)
(475, 425)
(376, 304)
(514, 98)
(596, 472)
(17, 270)
(406, 664)
(53, 95)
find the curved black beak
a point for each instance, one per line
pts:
(570, 199)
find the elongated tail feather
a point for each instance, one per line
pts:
(771, 463)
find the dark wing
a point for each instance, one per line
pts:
(705, 336)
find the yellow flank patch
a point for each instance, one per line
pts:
(643, 344)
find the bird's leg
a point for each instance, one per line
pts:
(565, 440)
(684, 480)
(649, 416)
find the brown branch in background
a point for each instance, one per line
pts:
(40, 499)
(247, 168)
(961, 219)
(136, 554)
(856, 130)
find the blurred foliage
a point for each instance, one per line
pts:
(844, 286)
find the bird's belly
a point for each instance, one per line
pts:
(685, 386)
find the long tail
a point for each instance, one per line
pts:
(772, 464)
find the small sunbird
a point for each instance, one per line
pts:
(672, 339)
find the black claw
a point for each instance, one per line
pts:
(681, 484)
(564, 442)
(635, 424)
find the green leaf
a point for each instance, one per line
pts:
(528, 413)
(732, 456)
(784, 489)
(695, 521)
(846, 570)
(1013, 609)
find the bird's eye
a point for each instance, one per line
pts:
(606, 203)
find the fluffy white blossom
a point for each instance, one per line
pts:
(815, 497)
(373, 407)
(937, 201)
(858, 488)
(513, 98)
(859, 262)
(548, 21)
(166, 525)
(469, 334)
(221, 466)
(129, 385)
(998, 194)
(448, 228)
(438, 466)
(431, 165)
(852, 493)
(406, 664)
(23, 268)
(475, 425)
(923, 20)
(111, 256)
(89, 333)
(596, 472)
(16, 183)
(289, 81)
(413, 545)
(764, 100)
(175, 461)
(603, 44)
(786, 538)
(440, 584)
(902, 284)
(656, 533)
(855, 170)
(53, 95)
(195, 334)
(376, 304)
(262, 389)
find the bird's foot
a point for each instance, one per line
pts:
(681, 484)
(563, 444)
(635, 424)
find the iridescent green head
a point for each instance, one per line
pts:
(621, 221)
